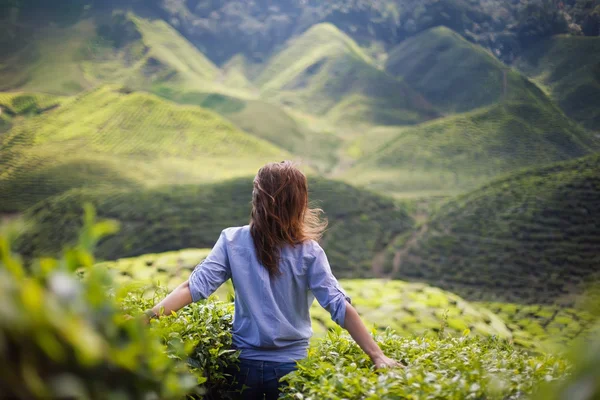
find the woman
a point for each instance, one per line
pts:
(277, 269)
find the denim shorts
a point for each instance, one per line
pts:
(258, 379)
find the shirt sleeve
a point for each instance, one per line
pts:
(326, 288)
(210, 273)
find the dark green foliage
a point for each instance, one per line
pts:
(587, 14)
(570, 68)
(448, 368)
(120, 31)
(177, 217)
(538, 19)
(531, 237)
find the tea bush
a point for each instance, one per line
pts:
(64, 337)
(435, 368)
(61, 337)
(199, 335)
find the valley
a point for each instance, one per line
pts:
(454, 147)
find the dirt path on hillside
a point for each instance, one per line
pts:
(399, 256)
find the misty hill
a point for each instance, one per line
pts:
(324, 72)
(112, 137)
(119, 49)
(361, 223)
(569, 67)
(531, 237)
(454, 74)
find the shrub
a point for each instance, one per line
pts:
(61, 337)
(436, 368)
(199, 334)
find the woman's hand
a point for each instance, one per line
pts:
(176, 300)
(383, 361)
(359, 333)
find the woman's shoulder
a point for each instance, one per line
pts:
(236, 233)
(312, 248)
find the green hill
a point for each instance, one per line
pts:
(122, 49)
(323, 72)
(569, 67)
(150, 55)
(269, 122)
(112, 137)
(177, 217)
(531, 237)
(454, 74)
(457, 153)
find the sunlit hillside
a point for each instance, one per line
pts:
(454, 74)
(109, 136)
(324, 72)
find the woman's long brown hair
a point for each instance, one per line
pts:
(281, 214)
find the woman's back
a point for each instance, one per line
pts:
(277, 269)
(272, 320)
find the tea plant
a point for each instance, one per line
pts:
(446, 368)
(61, 337)
(199, 335)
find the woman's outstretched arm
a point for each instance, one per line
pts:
(176, 300)
(362, 337)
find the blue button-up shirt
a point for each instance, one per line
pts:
(271, 320)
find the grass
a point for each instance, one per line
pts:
(177, 217)
(458, 153)
(531, 237)
(454, 74)
(569, 67)
(111, 137)
(323, 72)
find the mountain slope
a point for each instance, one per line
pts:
(531, 237)
(176, 217)
(323, 72)
(120, 49)
(457, 153)
(454, 74)
(269, 122)
(108, 136)
(570, 68)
